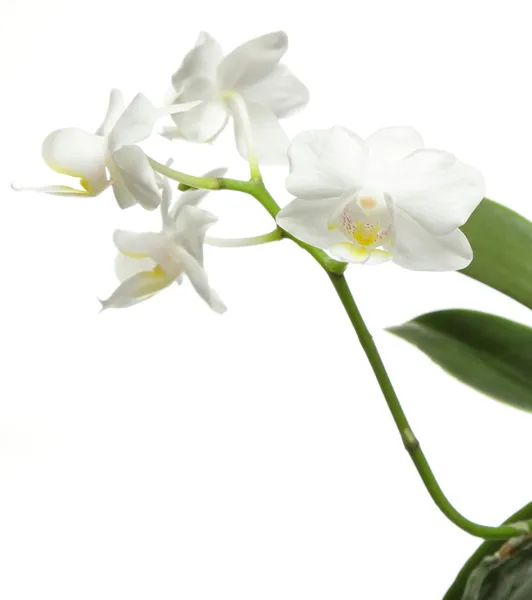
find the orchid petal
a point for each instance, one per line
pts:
(55, 190)
(138, 176)
(390, 144)
(436, 189)
(324, 163)
(252, 61)
(377, 256)
(270, 142)
(114, 110)
(348, 252)
(126, 266)
(191, 226)
(280, 91)
(201, 61)
(137, 288)
(166, 198)
(203, 122)
(123, 196)
(198, 278)
(174, 109)
(157, 246)
(171, 133)
(420, 250)
(135, 124)
(135, 244)
(309, 220)
(77, 153)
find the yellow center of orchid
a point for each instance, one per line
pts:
(362, 222)
(365, 233)
(158, 271)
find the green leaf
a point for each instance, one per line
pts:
(456, 591)
(502, 250)
(489, 353)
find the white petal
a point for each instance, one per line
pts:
(136, 244)
(203, 122)
(280, 91)
(123, 196)
(170, 132)
(252, 61)
(191, 226)
(268, 138)
(54, 190)
(157, 246)
(194, 196)
(114, 110)
(378, 256)
(179, 107)
(390, 144)
(137, 288)
(419, 250)
(77, 153)
(196, 87)
(138, 176)
(348, 252)
(166, 198)
(309, 220)
(198, 278)
(352, 253)
(324, 163)
(201, 61)
(436, 189)
(135, 124)
(126, 266)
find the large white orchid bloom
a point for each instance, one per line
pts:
(149, 262)
(109, 156)
(249, 83)
(384, 198)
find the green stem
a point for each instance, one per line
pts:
(410, 441)
(257, 240)
(260, 193)
(204, 183)
(335, 271)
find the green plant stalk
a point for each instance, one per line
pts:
(260, 193)
(256, 240)
(409, 439)
(335, 270)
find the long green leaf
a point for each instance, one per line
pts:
(456, 590)
(489, 353)
(502, 249)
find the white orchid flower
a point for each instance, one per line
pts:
(248, 84)
(150, 262)
(109, 156)
(384, 198)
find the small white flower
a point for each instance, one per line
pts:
(384, 198)
(108, 156)
(250, 77)
(149, 262)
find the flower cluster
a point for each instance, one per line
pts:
(362, 201)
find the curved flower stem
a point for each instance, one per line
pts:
(260, 193)
(203, 183)
(335, 271)
(410, 441)
(258, 190)
(257, 240)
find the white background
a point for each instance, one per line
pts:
(166, 452)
